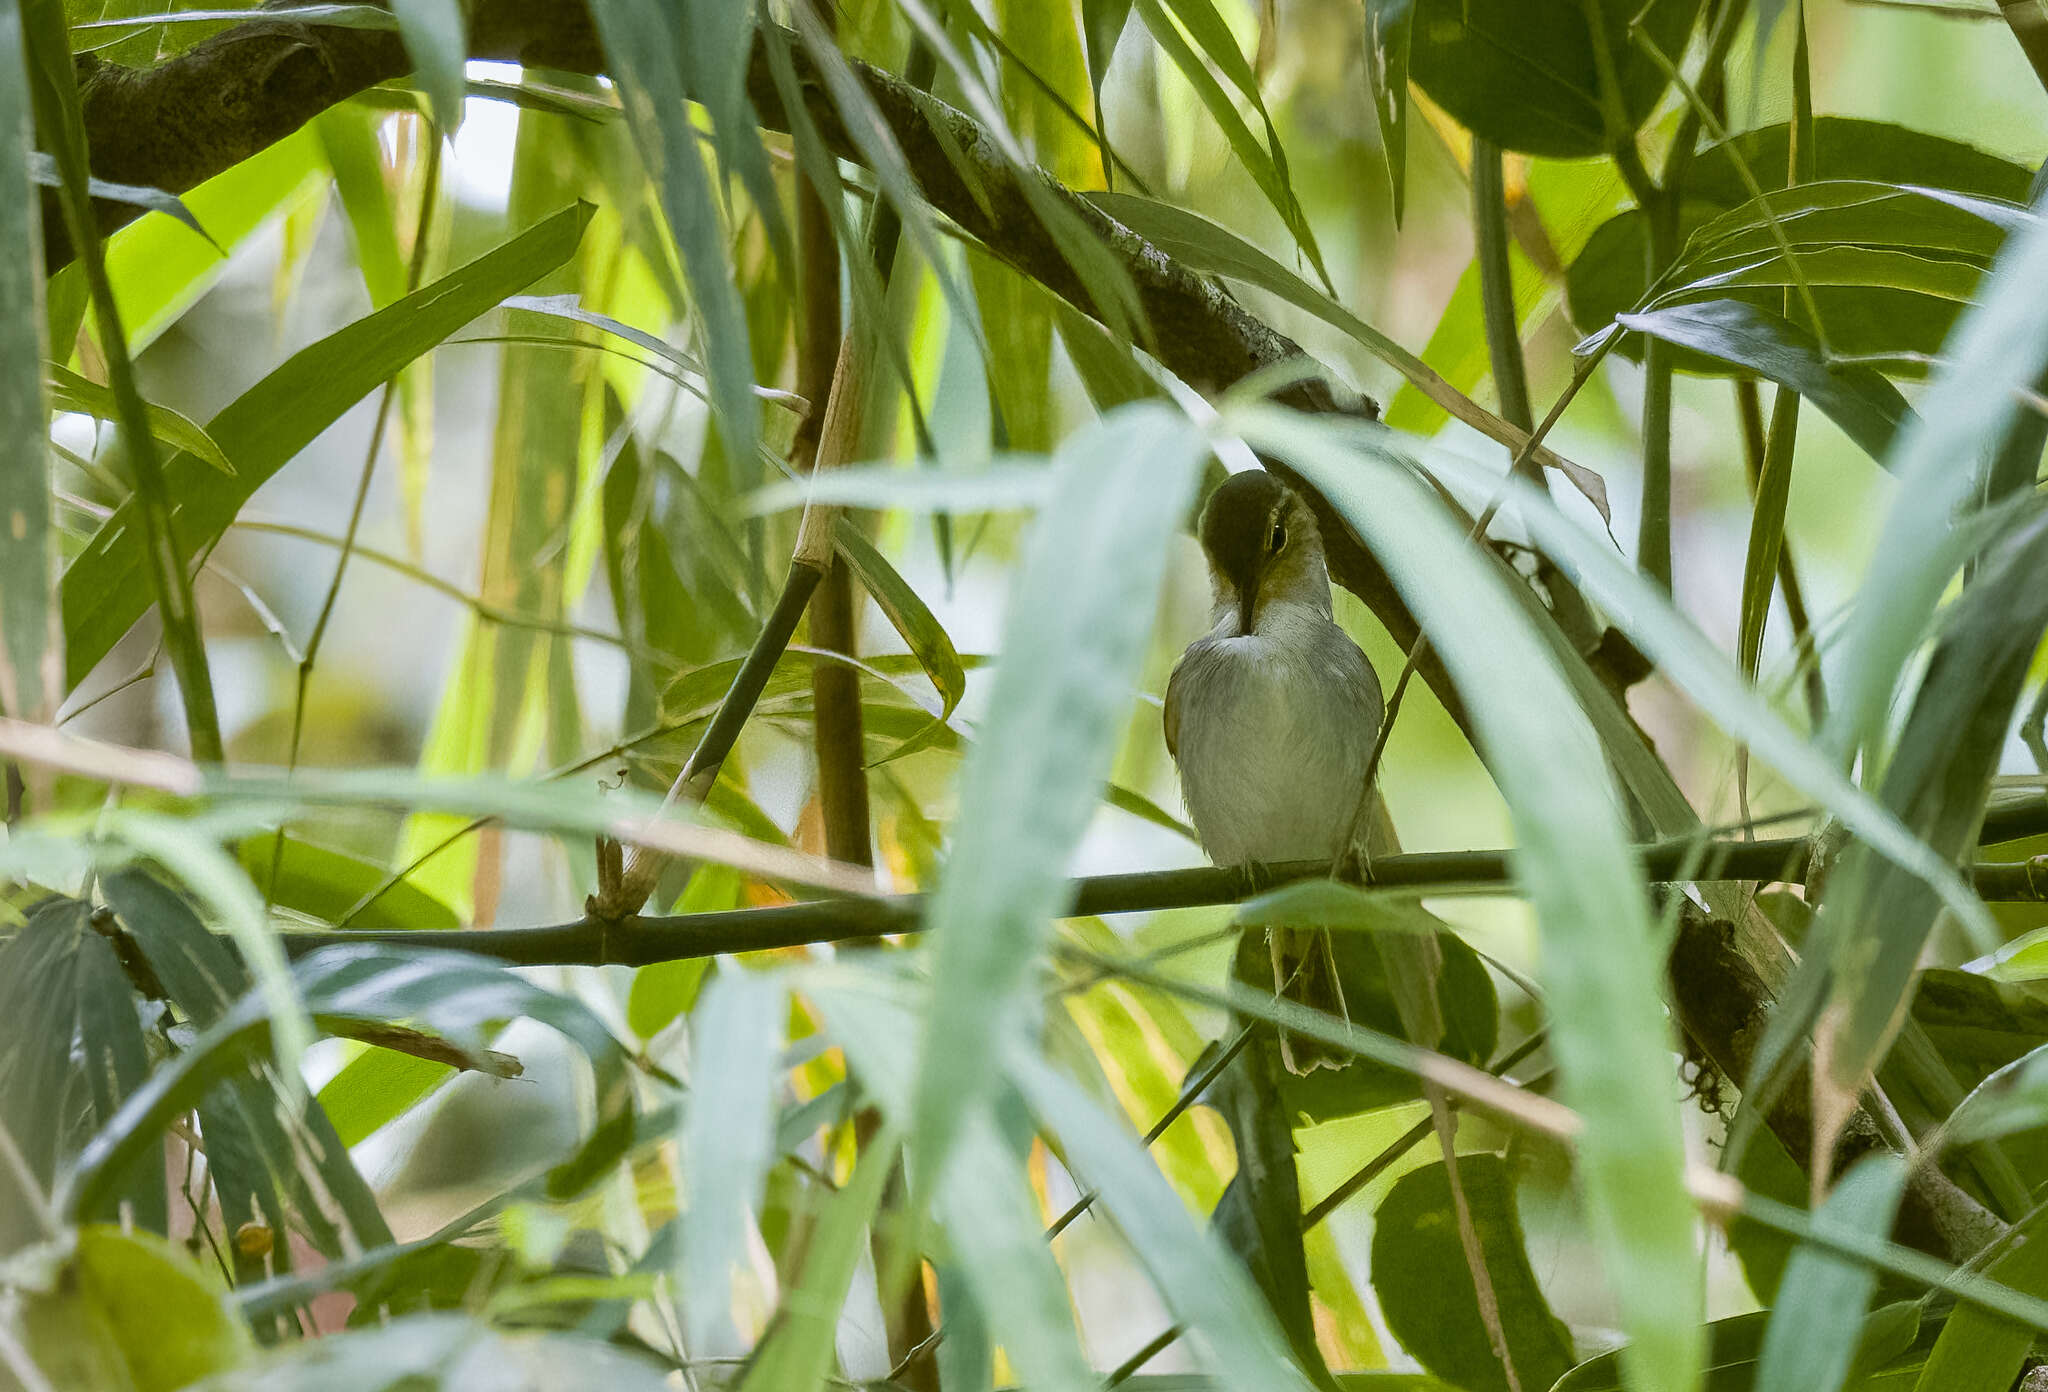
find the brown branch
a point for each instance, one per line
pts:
(640, 941)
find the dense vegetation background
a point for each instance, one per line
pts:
(438, 430)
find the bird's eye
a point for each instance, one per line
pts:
(1278, 538)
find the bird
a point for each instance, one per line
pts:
(1271, 717)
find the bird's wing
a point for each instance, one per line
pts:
(1173, 711)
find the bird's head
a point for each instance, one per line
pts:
(1263, 548)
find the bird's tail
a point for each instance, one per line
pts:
(1305, 971)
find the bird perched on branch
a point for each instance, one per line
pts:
(1272, 716)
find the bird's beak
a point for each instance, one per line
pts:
(1248, 583)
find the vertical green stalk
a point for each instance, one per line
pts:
(1497, 289)
(54, 86)
(1653, 535)
(30, 641)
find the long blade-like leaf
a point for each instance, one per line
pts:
(1602, 965)
(1079, 620)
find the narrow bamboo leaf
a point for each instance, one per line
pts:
(1575, 866)
(797, 1356)
(717, 46)
(74, 1053)
(289, 1169)
(727, 1143)
(450, 993)
(1977, 1351)
(324, 883)
(1203, 245)
(348, 139)
(1819, 1316)
(986, 1201)
(2013, 1099)
(1856, 397)
(1103, 22)
(1076, 632)
(107, 588)
(1767, 530)
(333, 16)
(908, 614)
(1691, 662)
(455, 1352)
(1942, 457)
(1267, 164)
(1205, 1290)
(436, 35)
(1432, 1305)
(1876, 921)
(375, 1088)
(1389, 25)
(644, 39)
(71, 392)
(53, 88)
(1008, 482)
(31, 645)
(1258, 1215)
(44, 171)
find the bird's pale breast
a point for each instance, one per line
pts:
(1273, 732)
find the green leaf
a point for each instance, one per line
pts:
(797, 1356)
(1389, 27)
(1942, 459)
(1767, 530)
(1859, 399)
(71, 392)
(445, 1353)
(1525, 74)
(436, 35)
(107, 588)
(266, 1160)
(1977, 1351)
(375, 1088)
(1076, 633)
(1202, 245)
(71, 1054)
(1574, 864)
(1814, 1328)
(1607, 275)
(159, 1323)
(31, 646)
(1203, 1288)
(912, 619)
(727, 1143)
(1267, 164)
(986, 1201)
(644, 40)
(43, 169)
(450, 993)
(1695, 666)
(1259, 1215)
(1426, 1290)
(1466, 1002)
(348, 139)
(1874, 921)
(326, 884)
